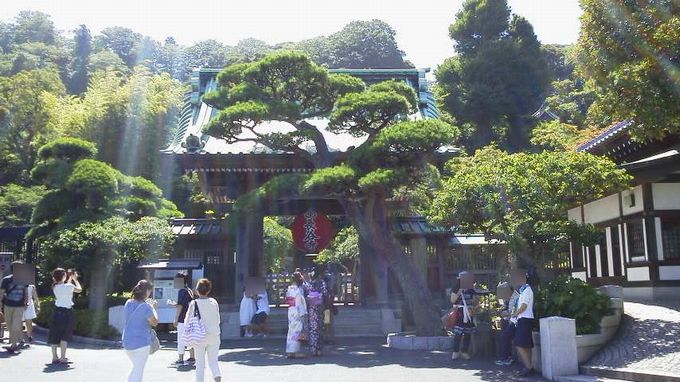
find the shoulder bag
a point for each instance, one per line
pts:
(195, 331)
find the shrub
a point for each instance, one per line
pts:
(88, 323)
(572, 298)
(70, 149)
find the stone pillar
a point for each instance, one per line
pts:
(419, 251)
(558, 347)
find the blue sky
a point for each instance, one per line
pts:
(421, 25)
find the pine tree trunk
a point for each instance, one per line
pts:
(99, 282)
(370, 219)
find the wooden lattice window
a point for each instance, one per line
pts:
(636, 239)
(670, 233)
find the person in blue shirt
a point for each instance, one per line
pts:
(139, 318)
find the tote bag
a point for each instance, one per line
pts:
(194, 328)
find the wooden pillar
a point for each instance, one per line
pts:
(249, 249)
(650, 232)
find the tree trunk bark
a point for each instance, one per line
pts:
(99, 281)
(370, 219)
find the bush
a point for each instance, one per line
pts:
(88, 323)
(572, 298)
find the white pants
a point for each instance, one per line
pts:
(138, 358)
(181, 346)
(212, 347)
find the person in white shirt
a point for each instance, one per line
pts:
(61, 327)
(209, 313)
(524, 314)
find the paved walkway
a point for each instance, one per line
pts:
(259, 361)
(647, 342)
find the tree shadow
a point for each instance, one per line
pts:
(638, 340)
(365, 353)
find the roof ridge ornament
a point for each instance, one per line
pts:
(193, 143)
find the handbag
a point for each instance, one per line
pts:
(195, 331)
(155, 344)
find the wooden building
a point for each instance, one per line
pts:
(640, 243)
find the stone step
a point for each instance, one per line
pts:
(630, 374)
(586, 378)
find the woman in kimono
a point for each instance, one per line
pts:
(297, 312)
(317, 301)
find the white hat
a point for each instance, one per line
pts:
(462, 274)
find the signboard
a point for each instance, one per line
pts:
(5, 262)
(312, 232)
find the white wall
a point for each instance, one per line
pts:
(669, 272)
(627, 209)
(638, 274)
(574, 215)
(601, 210)
(666, 196)
(579, 275)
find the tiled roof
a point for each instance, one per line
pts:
(184, 227)
(607, 135)
(417, 225)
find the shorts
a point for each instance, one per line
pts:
(61, 327)
(523, 336)
(259, 318)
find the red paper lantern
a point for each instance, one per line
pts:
(312, 232)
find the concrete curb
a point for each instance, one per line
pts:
(83, 340)
(630, 374)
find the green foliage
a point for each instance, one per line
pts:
(570, 101)
(630, 50)
(87, 323)
(498, 78)
(25, 113)
(521, 198)
(277, 245)
(332, 180)
(369, 112)
(359, 45)
(67, 149)
(572, 298)
(95, 180)
(343, 249)
(555, 135)
(17, 203)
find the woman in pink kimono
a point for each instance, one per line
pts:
(297, 310)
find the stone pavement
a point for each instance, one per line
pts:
(259, 361)
(648, 342)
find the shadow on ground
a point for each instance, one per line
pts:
(362, 353)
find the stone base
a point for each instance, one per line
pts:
(409, 341)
